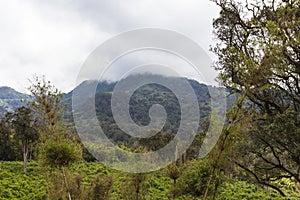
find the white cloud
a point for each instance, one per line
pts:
(54, 38)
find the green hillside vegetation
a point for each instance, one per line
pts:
(255, 157)
(60, 168)
(140, 103)
(156, 185)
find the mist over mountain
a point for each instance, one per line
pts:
(140, 103)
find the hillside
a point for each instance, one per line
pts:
(140, 103)
(10, 99)
(155, 186)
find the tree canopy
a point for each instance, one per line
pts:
(258, 53)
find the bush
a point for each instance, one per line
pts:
(234, 189)
(59, 152)
(194, 179)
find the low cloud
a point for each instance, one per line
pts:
(54, 38)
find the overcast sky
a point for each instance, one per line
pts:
(54, 38)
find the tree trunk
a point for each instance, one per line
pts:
(66, 183)
(25, 157)
(208, 184)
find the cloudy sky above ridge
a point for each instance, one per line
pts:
(54, 38)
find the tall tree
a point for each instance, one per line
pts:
(25, 129)
(258, 53)
(9, 149)
(46, 103)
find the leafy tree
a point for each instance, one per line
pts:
(57, 149)
(227, 145)
(46, 102)
(59, 152)
(9, 149)
(25, 131)
(258, 53)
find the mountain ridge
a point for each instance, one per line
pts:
(10, 99)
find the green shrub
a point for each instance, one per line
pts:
(57, 152)
(194, 179)
(234, 189)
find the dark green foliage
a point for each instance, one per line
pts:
(140, 103)
(9, 146)
(25, 131)
(18, 134)
(24, 125)
(156, 142)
